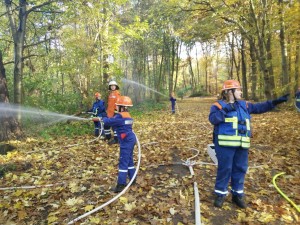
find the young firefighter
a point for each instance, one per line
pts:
(114, 94)
(173, 102)
(231, 119)
(98, 110)
(122, 123)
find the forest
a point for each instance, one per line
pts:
(56, 54)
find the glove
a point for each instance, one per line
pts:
(96, 119)
(229, 107)
(281, 99)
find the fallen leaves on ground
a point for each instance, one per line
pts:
(83, 172)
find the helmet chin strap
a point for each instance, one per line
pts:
(233, 91)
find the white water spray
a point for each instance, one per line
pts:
(11, 110)
(124, 80)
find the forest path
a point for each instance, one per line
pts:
(164, 192)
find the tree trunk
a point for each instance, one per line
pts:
(284, 61)
(161, 67)
(264, 43)
(236, 60)
(253, 71)
(9, 126)
(198, 71)
(18, 34)
(206, 74)
(104, 48)
(297, 64)
(244, 69)
(231, 45)
(271, 80)
(191, 72)
(171, 74)
(178, 51)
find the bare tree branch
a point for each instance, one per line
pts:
(32, 55)
(37, 43)
(40, 6)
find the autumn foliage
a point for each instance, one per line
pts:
(80, 172)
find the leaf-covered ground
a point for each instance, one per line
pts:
(82, 172)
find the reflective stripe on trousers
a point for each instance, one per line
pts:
(232, 167)
(126, 164)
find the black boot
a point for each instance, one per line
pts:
(239, 201)
(219, 200)
(119, 188)
(107, 138)
(113, 141)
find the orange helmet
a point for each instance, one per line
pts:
(97, 94)
(230, 84)
(124, 101)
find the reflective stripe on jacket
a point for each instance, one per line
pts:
(99, 108)
(235, 131)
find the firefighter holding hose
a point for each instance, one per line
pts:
(122, 124)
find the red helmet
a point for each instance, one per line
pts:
(97, 95)
(231, 84)
(124, 101)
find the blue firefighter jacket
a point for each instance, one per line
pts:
(297, 100)
(173, 101)
(98, 108)
(233, 129)
(122, 124)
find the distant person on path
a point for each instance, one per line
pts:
(122, 122)
(114, 94)
(173, 102)
(297, 99)
(98, 110)
(231, 137)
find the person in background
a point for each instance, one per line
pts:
(98, 110)
(231, 137)
(114, 94)
(122, 122)
(297, 99)
(173, 102)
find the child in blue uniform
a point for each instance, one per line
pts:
(232, 131)
(98, 110)
(122, 124)
(173, 102)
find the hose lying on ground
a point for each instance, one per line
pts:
(278, 189)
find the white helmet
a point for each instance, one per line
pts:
(113, 83)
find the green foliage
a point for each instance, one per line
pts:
(183, 92)
(201, 93)
(120, 38)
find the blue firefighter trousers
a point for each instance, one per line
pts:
(98, 128)
(232, 166)
(126, 164)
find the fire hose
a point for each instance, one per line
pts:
(283, 195)
(117, 196)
